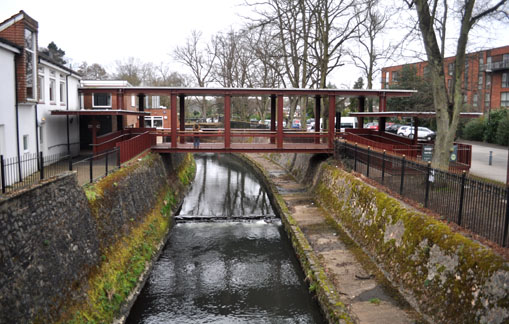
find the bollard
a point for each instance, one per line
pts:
(490, 160)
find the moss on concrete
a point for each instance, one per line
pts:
(123, 262)
(452, 278)
(334, 310)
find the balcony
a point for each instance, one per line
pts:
(495, 66)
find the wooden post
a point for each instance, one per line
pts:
(317, 117)
(382, 102)
(332, 114)
(227, 118)
(362, 104)
(272, 117)
(182, 111)
(279, 142)
(173, 121)
(141, 105)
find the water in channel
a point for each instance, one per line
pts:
(237, 268)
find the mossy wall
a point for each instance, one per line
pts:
(447, 276)
(71, 255)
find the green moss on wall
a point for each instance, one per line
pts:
(122, 263)
(453, 278)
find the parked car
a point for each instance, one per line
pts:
(404, 130)
(393, 128)
(423, 133)
(371, 125)
(296, 123)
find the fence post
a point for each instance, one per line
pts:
(462, 193)
(506, 223)
(2, 165)
(355, 158)
(91, 164)
(42, 165)
(107, 163)
(369, 155)
(428, 173)
(383, 167)
(118, 157)
(402, 175)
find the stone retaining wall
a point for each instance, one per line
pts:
(49, 240)
(447, 276)
(52, 236)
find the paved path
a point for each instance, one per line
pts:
(364, 289)
(480, 160)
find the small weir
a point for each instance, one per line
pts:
(228, 259)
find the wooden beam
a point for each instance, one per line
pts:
(332, 115)
(280, 117)
(173, 121)
(182, 111)
(227, 119)
(272, 117)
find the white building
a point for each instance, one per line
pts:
(8, 125)
(57, 89)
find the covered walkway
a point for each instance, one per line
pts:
(226, 139)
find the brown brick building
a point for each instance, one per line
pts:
(485, 82)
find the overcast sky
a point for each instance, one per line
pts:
(109, 30)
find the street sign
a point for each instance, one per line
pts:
(427, 152)
(454, 154)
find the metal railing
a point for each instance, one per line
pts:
(481, 207)
(30, 169)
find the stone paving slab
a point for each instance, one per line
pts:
(369, 300)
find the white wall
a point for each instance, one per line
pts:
(7, 105)
(53, 129)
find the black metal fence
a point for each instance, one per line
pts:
(481, 207)
(30, 169)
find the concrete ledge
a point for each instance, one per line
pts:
(334, 310)
(447, 276)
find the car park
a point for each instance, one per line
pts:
(423, 133)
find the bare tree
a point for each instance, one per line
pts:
(93, 72)
(199, 60)
(369, 50)
(432, 22)
(336, 22)
(290, 21)
(133, 70)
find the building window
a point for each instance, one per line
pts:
(62, 92)
(505, 80)
(154, 122)
(504, 99)
(466, 75)
(395, 76)
(465, 99)
(426, 71)
(487, 101)
(488, 81)
(52, 90)
(449, 86)
(475, 100)
(480, 82)
(25, 143)
(133, 101)
(450, 68)
(40, 85)
(30, 63)
(102, 100)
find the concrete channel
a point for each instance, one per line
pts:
(360, 286)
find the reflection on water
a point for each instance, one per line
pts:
(224, 187)
(229, 272)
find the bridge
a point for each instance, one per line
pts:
(227, 139)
